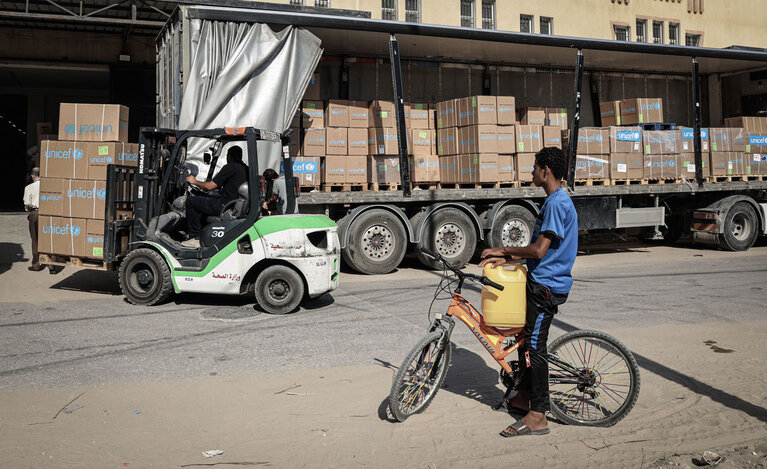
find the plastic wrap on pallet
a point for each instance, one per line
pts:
(592, 166)
(661, 166)
(730, 163)
(727, 139)
(662, 142)
(625, 166)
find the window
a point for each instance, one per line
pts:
(657, 32)
(641, 30)
(296, 2)
(488, 14)
(622, 33)
(526, 23)
(673, 34)
(389, 10)
(413, 11)
(547, 25)
(692, 40)
(467, 13)
(322, 3)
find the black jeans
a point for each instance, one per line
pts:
(198, 207)
(542, 305)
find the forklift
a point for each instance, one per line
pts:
(279, 259)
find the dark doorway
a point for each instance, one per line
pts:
(754, 105)
(16, 164)
(133, 85)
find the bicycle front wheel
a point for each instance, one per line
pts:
(593, 379)
(420, 376)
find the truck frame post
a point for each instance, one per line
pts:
(287, 161)
(576, 123)
(396, 71)
(696, 103)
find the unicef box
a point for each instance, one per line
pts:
(100, 155)
(93, 122)
(307, 170)
(63, 159)
(62, 236)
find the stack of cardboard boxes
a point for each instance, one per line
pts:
(631, 111)
(73, 177)
(728, 147)
(755, 140)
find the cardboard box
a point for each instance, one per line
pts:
(593, 141)
(727, 139)
(447, 115)
(358, 141)
(383, 141)
(358, 114)
(448, 169)
(737, 164)
(312, 115)
(661, 166)
(43, 130)
(336, 141)
(625, 140)
(529, 138)
(592, 166)
(60, 159)
(478, 139)
(478, 168)
(755, 125)
(93, 122)
(432, 117)
(556, 117)
(447, 141)
(424, 168)
(313, 142)
(524, 163)
(52, 193)
(357, 169)
(94, 241)
(624, 166)
(758, 163)
(295, 141)
(62, 236)
(337, 113)
(383, 169)
(756, 142)
(532, 116)
(296, 121)
(610, 111)
(419, 116)
(552, 137)
(333, 169)
(381, 114)
(507, 139)
(687, 165)
(313, 90)
(406, 109)
(688, 140)
(84, 198)
(477, 110)
(100, 155)
(422, 142)
(662, 142)
(507, 110)
(307, 170)
(506, 171)
(641, 111)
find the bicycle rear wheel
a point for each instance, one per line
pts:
(593, 379)
(420, 376)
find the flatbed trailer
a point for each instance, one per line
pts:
(376, 59)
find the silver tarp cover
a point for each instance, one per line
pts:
(245, 75)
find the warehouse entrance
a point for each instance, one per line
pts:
(15, 170)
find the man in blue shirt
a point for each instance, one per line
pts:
(550, 258)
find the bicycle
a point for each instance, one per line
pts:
(593, 378)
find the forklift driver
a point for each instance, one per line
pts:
(229, 179)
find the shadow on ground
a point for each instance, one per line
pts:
(10, 253)
(91, 281)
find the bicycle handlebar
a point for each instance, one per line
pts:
(479, 278)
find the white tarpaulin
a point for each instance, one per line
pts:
(245, 75)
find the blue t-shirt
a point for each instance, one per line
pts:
(557, 217)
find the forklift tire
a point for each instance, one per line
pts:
(279, 289)
(145, 278)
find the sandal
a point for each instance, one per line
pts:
(519, 428)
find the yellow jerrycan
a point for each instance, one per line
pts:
(505, 308)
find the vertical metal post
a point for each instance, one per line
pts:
(696, 104)
(399, 105)
(576, 122)
(287, 166)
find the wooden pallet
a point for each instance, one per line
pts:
(344, 187)
(310, 188)
(592, 182)
(376, 186)
(426, 186)
(651, 181)
(625, 182)
(73, 261)
(750, 177)
(471, 185)
(509, 184)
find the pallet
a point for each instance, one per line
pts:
(625, 182)
(376, 186)
(425, 186)
(73, 261)
(592, 182)
(310, 188)
(471, 185)
(344, 187)
(662, 181)
(750, 177)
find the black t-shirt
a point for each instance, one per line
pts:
(229, 179)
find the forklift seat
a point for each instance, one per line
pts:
(235, 209)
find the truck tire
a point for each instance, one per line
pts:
(145, 277)
(450, 233)
(279, 289)
(513, 227)
(377, 243)
(740, 228)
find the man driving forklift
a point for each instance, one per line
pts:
(229, 179)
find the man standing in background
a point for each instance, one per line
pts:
(31, 205)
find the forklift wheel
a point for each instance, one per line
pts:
(279, 289)
(145, 277)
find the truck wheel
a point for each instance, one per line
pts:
(279, 289)
(740, 228)
(513, 227)
(377, 243)
(451, 233)
(145, 277)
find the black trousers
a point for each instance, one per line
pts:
(198, 207)
(32, 218)
(542, 305)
